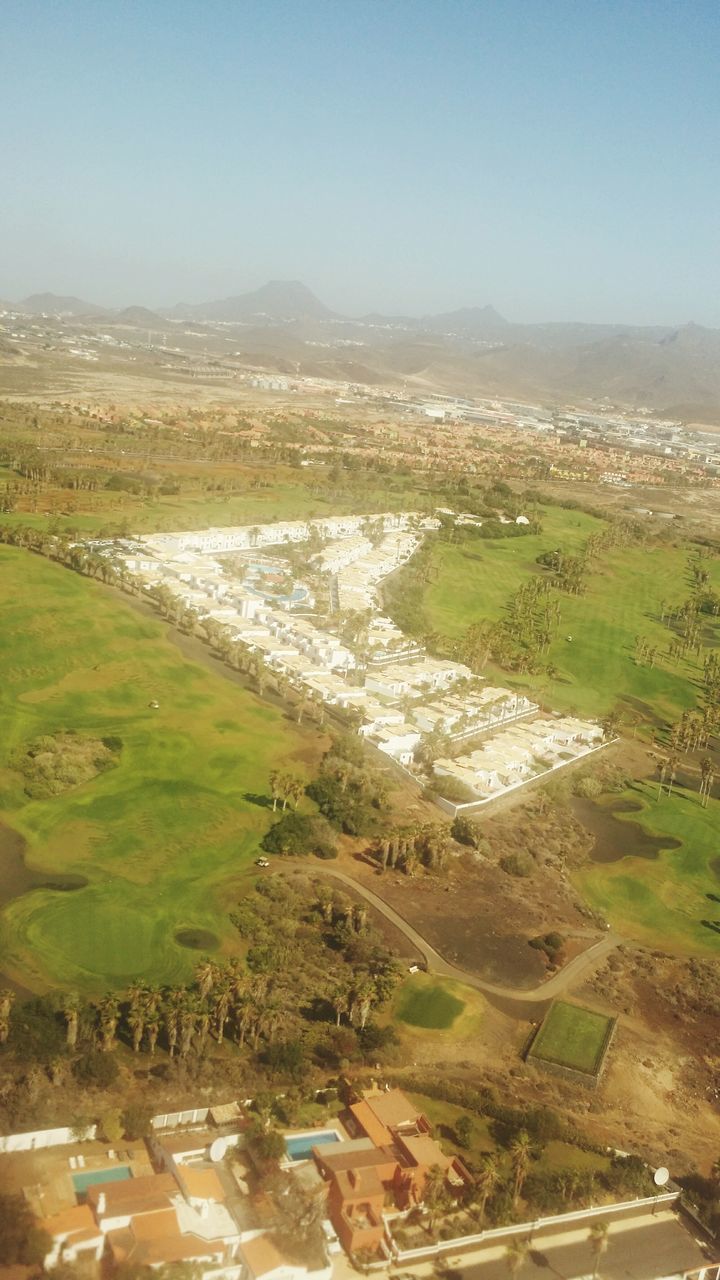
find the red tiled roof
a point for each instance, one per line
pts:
(375, 1128)
(135, 1195)
(393, 1109)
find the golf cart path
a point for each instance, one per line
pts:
(572, 972)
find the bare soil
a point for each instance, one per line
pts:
(482, 918)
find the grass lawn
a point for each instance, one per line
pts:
(428, 1004)
(571, 1037)
(596, 669)
(664, 898)
(555, 1155)
(286, 499)
(164, 838)
(476, 578)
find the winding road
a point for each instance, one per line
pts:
(573, 971)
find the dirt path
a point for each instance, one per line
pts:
(572, 973)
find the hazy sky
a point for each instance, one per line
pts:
(557, 158)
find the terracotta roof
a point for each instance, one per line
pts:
(424, 1151)
(134, 1195)
(359, 1184)
(357, 1159)
(70, 1221)
(393, 1109)
(262, 1256)
(370, 1124)
(156, 1237)
(203, 1184)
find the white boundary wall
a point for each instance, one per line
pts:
(39, 1138)
(522, 1228)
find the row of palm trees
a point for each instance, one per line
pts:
(407, 847)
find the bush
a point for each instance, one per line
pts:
(326, 852)
(99, 1070)
(588, 788)
(136, 1121)
(297, 834)
(518, 864)
(465, 831)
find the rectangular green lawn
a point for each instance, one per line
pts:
(572, 1037)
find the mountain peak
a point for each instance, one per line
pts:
(59, 304)
(276, 300)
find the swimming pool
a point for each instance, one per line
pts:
(299, 1145)
(118, 1173)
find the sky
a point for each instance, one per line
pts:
(558, 159)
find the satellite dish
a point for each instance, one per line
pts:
(217, 1149)
(661, 1176)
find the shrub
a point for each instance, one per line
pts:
(518, 864)
(465, 831)
(96, 1069)
(588, 788)
(297, 834)
(136, 1121)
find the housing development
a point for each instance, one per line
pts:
(188, 1194)
(432, 716)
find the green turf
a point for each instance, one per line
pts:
(474, 579)
(572, 1037)
(428, 1004)
(665, 899)
(164, 838)
(596, 670)
(284, 500)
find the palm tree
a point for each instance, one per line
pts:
(515, 1254)
(205, 974)
(487, 1181)
(435, 1194)
(108, 1017)
(71, 1014)
(136, 1014)
(275, 789)
(221, 1005)
(598, 1243)
(520, 1152)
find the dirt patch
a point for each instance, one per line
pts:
(480, 918)
(617, 838)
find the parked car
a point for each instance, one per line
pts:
(262, 862)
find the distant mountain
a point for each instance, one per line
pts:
(141, 316)
(279, 300)
(468, 321)
(55, 304)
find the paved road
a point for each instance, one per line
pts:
(641, 1246)
(572, 973)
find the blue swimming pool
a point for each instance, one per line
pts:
(118, 1173)
(300, 1145)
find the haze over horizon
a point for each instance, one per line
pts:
(558, 162)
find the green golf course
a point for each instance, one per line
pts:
(669, 900)
(592, 652)
(163, 837)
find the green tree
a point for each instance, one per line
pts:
(21, 1240)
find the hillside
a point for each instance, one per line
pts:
(59, 304)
